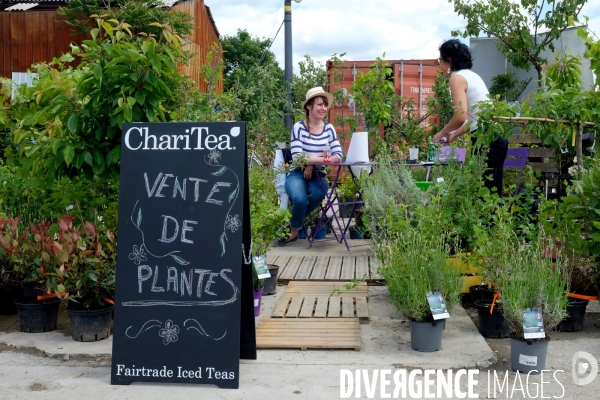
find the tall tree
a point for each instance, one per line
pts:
(243, 54)
(518, 26)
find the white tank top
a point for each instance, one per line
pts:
(476, 92)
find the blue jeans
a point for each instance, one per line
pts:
(306, 195)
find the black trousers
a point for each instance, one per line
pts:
(495, 163)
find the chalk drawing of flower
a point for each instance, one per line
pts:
(214, 156)
(233, 222)
(169, 332)
(138, 255)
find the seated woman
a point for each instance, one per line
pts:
(310, 138)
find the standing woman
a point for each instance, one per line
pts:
(310, 137)
(467, 90)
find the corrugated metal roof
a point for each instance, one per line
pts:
(21, 7)
(170, 3)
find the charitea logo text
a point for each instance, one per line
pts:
(196, 138)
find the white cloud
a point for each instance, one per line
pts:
(364, 30)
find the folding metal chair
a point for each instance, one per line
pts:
(517, 158)
(448, 151)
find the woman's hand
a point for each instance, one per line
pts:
(308, 171)
(441, 137)
(335, 159)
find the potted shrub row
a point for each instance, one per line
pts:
(64, 262)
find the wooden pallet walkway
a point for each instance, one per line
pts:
(308, 333)
(314, 300)
(326, 268)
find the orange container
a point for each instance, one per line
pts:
(412, 78)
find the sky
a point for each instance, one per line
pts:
(364, 30)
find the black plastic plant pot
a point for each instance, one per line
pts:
(31, 289)
(90, 325)
(270, 286)
(487, 293)
(37, 316)
(426, 336)
(8, 295)
(527, 356)
(575, 316)
(491, 325)
(475, 293)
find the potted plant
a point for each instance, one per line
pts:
(416, 266)
(258, 285)
(532, 285)
(84, 259)
(410, 129)
(266, 219)
(347, 192)
(9, 288)
(28, 252)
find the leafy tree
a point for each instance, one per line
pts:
(312, 74)
(139, 14)
(440, 105)
(69, 122)
(592, 52)
(517, 26)
(508, 86)
(243, 54)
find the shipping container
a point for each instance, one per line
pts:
(412, 78)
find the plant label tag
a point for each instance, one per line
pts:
(260, 264)
(437, 305)
(528, 360)
(563, 148)
(533, 324)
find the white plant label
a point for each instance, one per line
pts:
(262, 270)
(528, 360)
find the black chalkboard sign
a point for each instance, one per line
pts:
(182, 210)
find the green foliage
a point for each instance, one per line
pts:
(517, 26)
(592, 52)
(582, 206)
(83, 261)
(311, 74)
(69, 121)
(212, 105)
(267, 219)
(243, 55)
(377, 103)
(564, 72)
(139, 14)
(440, 104)
(27, 249)
(417, 264)
(532, 279)
(346, 120)
(507, 86)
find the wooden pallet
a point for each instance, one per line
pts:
(326, 268)
(314, 300)
(300, 306)
(307, 334)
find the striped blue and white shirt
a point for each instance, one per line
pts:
(314, 144)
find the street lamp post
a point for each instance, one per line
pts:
(288, 61)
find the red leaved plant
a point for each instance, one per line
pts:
(84, 260)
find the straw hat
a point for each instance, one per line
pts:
(318, 91)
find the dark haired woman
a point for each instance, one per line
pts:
(467, 90)
(310, 137)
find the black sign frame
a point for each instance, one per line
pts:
(184, 304)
